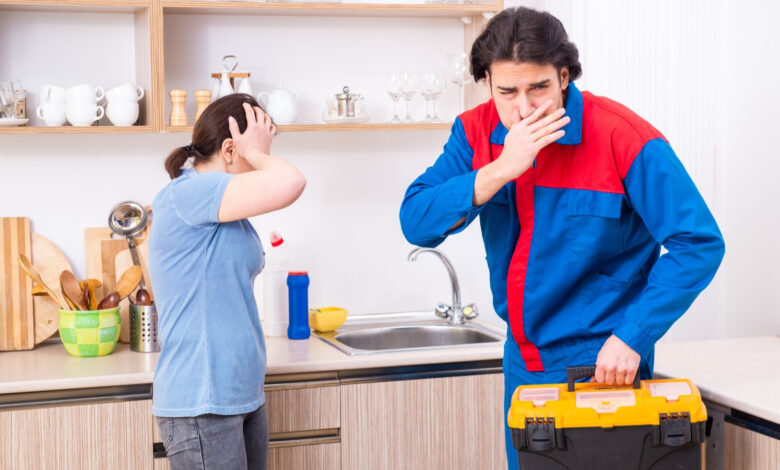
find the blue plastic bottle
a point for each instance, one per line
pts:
(298, 305)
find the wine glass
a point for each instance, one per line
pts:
(458, 73)
(409, 82)
(393, 87)
(432, 87)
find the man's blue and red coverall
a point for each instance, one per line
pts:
(573, 244)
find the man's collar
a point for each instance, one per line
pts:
(573, 129)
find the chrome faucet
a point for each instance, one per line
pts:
(455, 313)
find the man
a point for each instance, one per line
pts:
(575, 194)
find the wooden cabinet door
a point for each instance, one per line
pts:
(450, 422)
(749, 450)
(115, 435)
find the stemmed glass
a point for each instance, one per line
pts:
(458, 73)
(393, 87)
(409, 81)
(431, 88)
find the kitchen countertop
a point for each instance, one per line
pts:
(49, 367)
(740, 373)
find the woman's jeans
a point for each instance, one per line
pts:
(210, 441)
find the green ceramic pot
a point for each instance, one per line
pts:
(90, 333)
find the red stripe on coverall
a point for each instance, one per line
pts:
(515, 279)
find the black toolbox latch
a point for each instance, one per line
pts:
(540, 434)
(675, 428)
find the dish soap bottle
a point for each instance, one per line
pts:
(274, 293)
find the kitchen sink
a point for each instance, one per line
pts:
(372, 334)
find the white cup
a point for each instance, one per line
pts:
(52, 94)
(122, 113)
(52, 113)
(83, 113)
(82, 93)
(126, 92)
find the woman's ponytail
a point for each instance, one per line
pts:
(175, 161)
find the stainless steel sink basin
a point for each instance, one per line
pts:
(373, 334)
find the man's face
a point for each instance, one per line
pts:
(525, 86)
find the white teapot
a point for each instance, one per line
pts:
(281, 105)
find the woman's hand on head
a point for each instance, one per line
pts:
(256, 138)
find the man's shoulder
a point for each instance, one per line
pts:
(602, 114)
(479, 121)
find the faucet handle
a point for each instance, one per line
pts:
(470, 312)
(443, 310)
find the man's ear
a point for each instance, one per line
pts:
(487, 82)
(564, 78)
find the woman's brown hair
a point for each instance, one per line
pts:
(211, 129)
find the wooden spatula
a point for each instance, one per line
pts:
(27, 266)
(129, 281)
(71, 290)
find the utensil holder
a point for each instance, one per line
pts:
(143, 328)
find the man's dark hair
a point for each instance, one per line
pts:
(524, 35)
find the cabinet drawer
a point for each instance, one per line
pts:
(309, 457)
(303, 406)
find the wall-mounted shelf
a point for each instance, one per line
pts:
(439, 10)
(344, 127)
(76, 130)
(144, 45)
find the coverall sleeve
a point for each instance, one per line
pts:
(441, 196)
(665, 197)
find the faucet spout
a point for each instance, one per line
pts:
(456, 312)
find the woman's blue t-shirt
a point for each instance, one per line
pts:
(212, 357)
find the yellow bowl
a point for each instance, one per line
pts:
(327, 318)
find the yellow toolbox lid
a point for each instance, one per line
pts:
(594, 405)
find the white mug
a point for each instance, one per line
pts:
(52, 113)
(82, 93)
(52, 94)
(83, 114)
(122, 113)
(126, 92)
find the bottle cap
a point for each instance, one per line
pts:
(298, 273)
(276, 239)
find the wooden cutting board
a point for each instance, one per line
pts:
(49, 261)
(107, 259)
(17, 317)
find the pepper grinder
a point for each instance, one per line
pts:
(178, 113)
(203, 98)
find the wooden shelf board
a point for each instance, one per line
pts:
(328, 9)
(343, 127)
(75, 130)
(75, 6)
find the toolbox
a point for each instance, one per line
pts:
(654, 425)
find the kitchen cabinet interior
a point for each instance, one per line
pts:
(151, 44)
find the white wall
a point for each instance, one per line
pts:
(702, 72)
(704, 76)
(344, 229)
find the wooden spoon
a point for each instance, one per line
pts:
(90, 285)
(129, 281)
(27, 266)
(71, 290)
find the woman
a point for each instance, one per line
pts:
(203, 258)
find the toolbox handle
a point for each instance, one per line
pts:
(583, 372)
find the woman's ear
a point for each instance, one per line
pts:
(227, 150)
